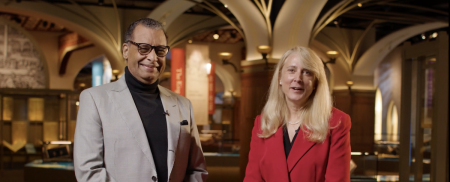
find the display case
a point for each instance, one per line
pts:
(30, 118)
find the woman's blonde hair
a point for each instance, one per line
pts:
(316, 112)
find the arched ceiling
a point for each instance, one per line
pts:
(376, 53)
(393, 14)
(32, 23)
(282, 24)
(169, 10)
(73, 19)
(294, 23)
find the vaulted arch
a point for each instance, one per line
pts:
(226, 78)
(294, 24)
(170, 10)
(76, 19)
(253, 23)
(376, 53)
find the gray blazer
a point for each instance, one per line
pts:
(111, 144)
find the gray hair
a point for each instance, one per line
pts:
(147, 22)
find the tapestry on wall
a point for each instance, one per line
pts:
(20, 64)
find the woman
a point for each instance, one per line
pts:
(300, 136)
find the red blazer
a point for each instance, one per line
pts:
(307, 161)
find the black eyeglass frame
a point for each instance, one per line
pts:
(151, 48)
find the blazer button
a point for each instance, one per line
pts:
(154, 178)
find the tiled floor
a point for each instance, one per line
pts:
(218, 174)
(11, 176)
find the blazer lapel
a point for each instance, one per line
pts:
(125, 105)
(299, 149)
(173, 119)
(275, 152)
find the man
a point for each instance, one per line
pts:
(134, 130)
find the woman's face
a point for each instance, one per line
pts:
(296, 82)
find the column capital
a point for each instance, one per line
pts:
(258, 65)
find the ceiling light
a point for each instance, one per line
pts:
(333, 55)
(434, 35)
(226, 6)
(423, 36)
(359, 4)
(190, 41)
(216, 36)
(349, 83)
(265, 50)
(226, 56)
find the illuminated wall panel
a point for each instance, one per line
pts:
(197, 56)
(35, 109)
(7, 108)
(378, 115)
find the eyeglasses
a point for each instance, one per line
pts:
(145, 49)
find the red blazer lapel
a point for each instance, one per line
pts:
(275, 152)
(299, 149)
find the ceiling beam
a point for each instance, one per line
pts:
(395, 15)
(389, 19)
(97, 4)
(418, 8)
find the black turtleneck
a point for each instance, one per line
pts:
(150, 108)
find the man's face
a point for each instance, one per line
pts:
(145, 68)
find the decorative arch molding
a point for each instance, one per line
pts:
(337, 80)
(294, 24)
(392, 122)
(188, 25)
(320, 50)
(170, 10)
(76, 62)
(227, 80)
(253, 24)
(87, 55)
(34, 43)
(368, 62)
(72, 19)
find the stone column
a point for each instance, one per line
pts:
(255, 82)
(439, 138)
(405, 116)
